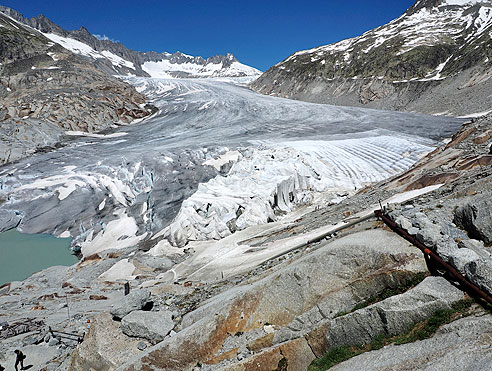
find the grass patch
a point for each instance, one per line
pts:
(420, 331)
(282, 365)
(388, 292)
(428, 328)
(333, 357)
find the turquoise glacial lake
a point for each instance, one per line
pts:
(24, 254)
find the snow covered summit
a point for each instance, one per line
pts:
(116, 59)
(181, 65)
(422, 61)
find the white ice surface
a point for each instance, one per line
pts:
(231, 156)
(232, 255)
(117, 234)
(164, 68)
(94, 135)
(278, 176)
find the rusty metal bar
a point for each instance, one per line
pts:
(468, 286)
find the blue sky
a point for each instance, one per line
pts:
(258, 33)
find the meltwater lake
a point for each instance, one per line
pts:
(24, 254)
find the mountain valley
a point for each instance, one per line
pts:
(225, 219)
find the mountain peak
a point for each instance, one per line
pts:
(115, 58)
(420, 4)
(389, 66)
(429, 4)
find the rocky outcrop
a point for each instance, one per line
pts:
(427, 60)
(323, 283)
(455, 221)
(114, 58)
(392, 316)
(460, 345)
(476, 218)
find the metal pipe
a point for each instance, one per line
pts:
(64, 334)
(470, 287)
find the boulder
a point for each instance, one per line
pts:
(480, 273)
(153, 326)
(403, 222)
(429, 237)
(462, 257)
(475, 245)
(104, 347)
(476, 218)
(135, 300)
(446, 247)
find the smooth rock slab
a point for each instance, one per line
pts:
(338, 274)
(394, 315)
(153, 326)
(461, 345)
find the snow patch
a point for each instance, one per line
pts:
(78, 47)
(117, 234)
(121, 271)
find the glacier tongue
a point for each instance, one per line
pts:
(271, 180)
(214, 158)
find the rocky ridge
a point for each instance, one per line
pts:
(433, 59)
(54, 81)
(47, 90)
(115, 58)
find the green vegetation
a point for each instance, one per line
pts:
(333, 357)
(420, 331)
(388, 292)
(282, 365)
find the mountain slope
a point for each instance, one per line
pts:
(115, 58)
(53, 81)
(46, 90)
(428, 60)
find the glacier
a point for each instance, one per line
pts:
(215, 159)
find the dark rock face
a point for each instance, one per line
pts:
(424, 61)
(9, 219)
(476, 219)
(421, 4)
